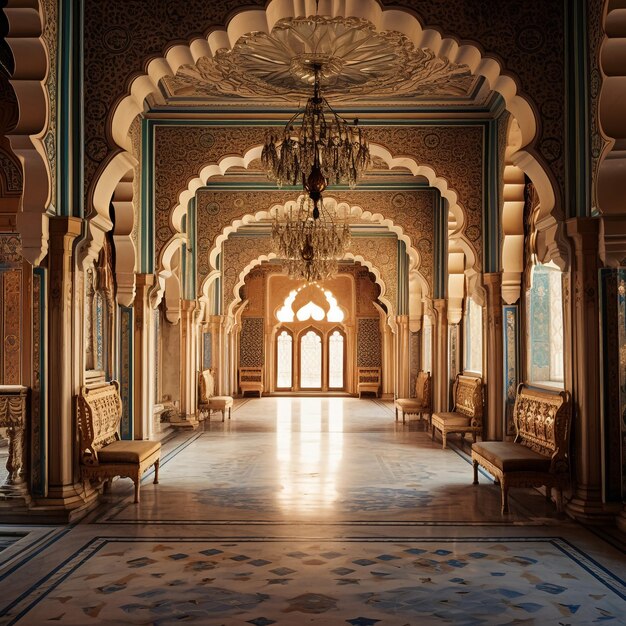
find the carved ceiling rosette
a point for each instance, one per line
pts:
(120, 37)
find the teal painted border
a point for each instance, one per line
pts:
(146, 227)
(39, 273)
(70, 128)
(511, 379)
(440, 251)
(577, 144)
(126, 372)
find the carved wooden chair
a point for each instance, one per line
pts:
(368, 380)
(421, 403)
(251, 379)
(207, 400)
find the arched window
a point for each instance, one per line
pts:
(545, 325)
(310, 360)
(335, 360)
(473, 337)
(284, 360)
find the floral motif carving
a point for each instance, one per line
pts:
(251, 342)
(10, 249)
(11, 320)
(368, 343)
(49, 35)
(412, 210)
(382, 253)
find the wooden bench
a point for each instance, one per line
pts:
(368, 380)
(251, 379)
(207, 401)
(539, 455)
(103, 456)
(467, 415)
(421, 403)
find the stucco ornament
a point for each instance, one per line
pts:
(355, 59)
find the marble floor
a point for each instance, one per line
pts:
(312, 511)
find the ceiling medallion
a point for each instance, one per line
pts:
(355, 60)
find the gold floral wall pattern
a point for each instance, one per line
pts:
(121, 37)
(180, 153)
(412, 210)
(50, 36)
(455, 153)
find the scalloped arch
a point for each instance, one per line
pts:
(353, 210)
(25, 19)
(268, 257)
(397, 19)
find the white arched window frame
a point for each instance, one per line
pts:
(544, 326)
(284, 359)
(336, 359)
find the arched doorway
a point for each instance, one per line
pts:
(310, 360)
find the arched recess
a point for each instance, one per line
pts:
(384, 19)
(304, 335)
(612, 166)
(512, 218)
(25, 28)
(333, 359)
(267, 257)
(125, 252)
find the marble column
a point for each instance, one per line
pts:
(403, 361)
(493, 429)
(586, 503)
(440, 356)
(142, 371)
(387, 360)
(63, 485)
(188, 374)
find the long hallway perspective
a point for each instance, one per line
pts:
(316, 511)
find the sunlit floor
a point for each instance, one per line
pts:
(318, 511)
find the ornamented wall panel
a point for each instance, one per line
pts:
(251, 342)
(455, 153)
(11, 325)
(126, 371)
(207, 350)
(368, 342)
(50, 36)
(412, 210)
(414, 354)
(38, 434)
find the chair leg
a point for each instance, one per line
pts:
(396, 414)
(229, 409)
(504, 491)
(223, 414)
(474, 435)
(137, 485)
(432, 433)
(444, 439)
(403, 417)
(559, 500)
(475, 463)
(107, 486)
(548, 493)
(156, 471)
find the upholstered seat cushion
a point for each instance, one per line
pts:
(451, 419)
(128, 451)
(512, 457)
(407, 404)
(219, 402)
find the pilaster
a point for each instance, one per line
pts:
(495, 356)
(188, 374)
(143, 401)
(586, 503)
(63, 485)
(440, 356)
(403, 360)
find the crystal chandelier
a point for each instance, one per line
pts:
(324, 142)
(311, 238)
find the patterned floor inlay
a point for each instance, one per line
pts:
(466, 581)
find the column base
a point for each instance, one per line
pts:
(184, 423)
(587, 506)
